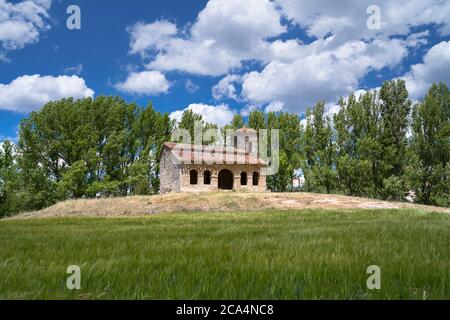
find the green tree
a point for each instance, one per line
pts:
(356, 140)
(319, 151)
(89, 148)
(257, 120)
(395, 112)
(290, 132)
(9, 182)
(430, 145)
(237, 122)
(188, 121)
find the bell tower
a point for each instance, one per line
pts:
(245, 139)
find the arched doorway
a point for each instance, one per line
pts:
(207, 177)
(243, 178)
(193, 176)
(255, 178)
(226, 180)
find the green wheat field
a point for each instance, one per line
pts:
(310, 254)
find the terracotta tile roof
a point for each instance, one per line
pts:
(213, 154)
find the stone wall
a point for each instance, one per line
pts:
(235, 169)
(175, 177)
(169, 173)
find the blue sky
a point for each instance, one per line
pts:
(216, 58)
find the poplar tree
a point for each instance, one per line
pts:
(395, 113)
(320, 152)
(358, 150)
(430, 146)
(9, 182)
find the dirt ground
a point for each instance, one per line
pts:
(214, 202)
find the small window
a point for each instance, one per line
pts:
(247, 147)
(193, 176)
(207, 177)
(235, 142)
(255, 178)
(243, 179)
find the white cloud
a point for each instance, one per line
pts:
(347, 19)
(417, 39)
(274, 106)
(225, 33)
(145, 82)
(285, 51)
(220, 115)
(30, 92)
(200, 58)
(435, 68)
(226, 88)
(151, 35)
(236, 24)
(320, 72)
(21, 23)
(330, 110)
(229, 33)
(245, 112)
(11, 139)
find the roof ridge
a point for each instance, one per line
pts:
(208, 149)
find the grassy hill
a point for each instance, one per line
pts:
(216, 202)
(266, 254)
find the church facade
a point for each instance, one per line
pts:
(200, 168)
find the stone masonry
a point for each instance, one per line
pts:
(238, 170)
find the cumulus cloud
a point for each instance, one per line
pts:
(220, 115)
(21, 23)
(145, 82)
(343, 50)
(417, 39)
(347, 19)
(30, 92)
(152, 35)
(435, 68)
(247, 109)
(274, 106)
(225, 33)
(237, 24)
(13, 140)
(320, 72)
(330, 110)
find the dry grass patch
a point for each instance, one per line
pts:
(215, 202)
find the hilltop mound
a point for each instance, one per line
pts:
(214, 202)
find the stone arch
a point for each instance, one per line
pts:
(193, 176)
(243, 178)
(226, 180)
(207, 177)
(255, 178)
